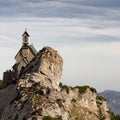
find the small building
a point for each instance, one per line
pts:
(24, 56)
(26, 53)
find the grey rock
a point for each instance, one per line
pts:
(38, 93)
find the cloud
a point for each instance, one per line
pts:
(85, 33)
(7, 38)
(62, 8)
(60, 30)
(102, 3)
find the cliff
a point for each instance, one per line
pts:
(38, 94)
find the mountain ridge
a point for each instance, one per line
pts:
(113, 100)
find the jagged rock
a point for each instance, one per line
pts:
(39, 95)
(46, 68)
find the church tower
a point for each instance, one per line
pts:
(25, 38)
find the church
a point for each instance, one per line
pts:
(24, 56)
(26, 53)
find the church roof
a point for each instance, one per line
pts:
(26, 33)
(31, 47)
(33, 50)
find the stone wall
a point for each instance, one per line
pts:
(9, 77)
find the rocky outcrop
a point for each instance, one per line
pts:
(39, 95)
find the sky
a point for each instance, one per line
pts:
(86, 33)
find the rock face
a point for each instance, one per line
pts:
(39, 95)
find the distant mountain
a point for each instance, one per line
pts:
(113, 100)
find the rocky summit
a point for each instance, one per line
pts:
(38, 94)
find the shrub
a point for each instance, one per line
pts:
(101, 98)
(51, 118)
(73, 100)
(60, 85)
(76, 118)
(93, 90)
(82, 89)
(59, 102)
(64, 87)
(101, 116)
(113, 116)
(99, 103)
(117, 117)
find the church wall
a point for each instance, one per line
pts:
(25, 52)
(31, 56)
(18, 58)
(21, 64)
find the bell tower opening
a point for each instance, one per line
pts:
(25, 38)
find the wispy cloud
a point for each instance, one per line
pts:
(61, 30)
(61, 8)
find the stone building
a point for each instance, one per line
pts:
(24, 56)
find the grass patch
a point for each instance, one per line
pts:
(83, 89)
